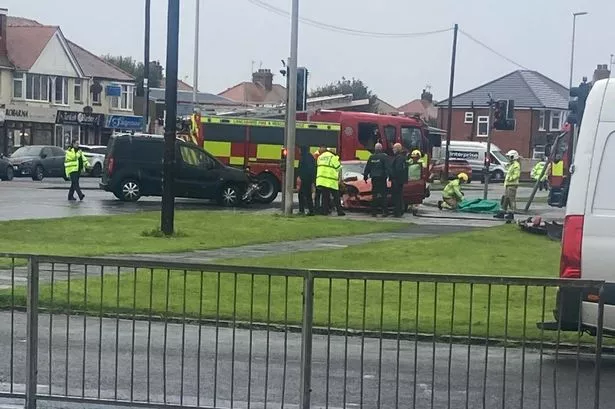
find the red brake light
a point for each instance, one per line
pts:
(572, 243)
(110, 165)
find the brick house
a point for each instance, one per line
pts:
(541, 106)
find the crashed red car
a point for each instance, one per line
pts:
(357, 193)
(455, 167)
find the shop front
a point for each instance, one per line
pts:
(85, 127)
(121, 123)
(27, 125)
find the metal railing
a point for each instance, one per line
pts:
(154, 334)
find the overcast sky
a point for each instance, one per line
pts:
(235, 33)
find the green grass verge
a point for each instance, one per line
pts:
(497, 311)
(198, 230)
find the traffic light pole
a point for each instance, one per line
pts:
(449, 124)
(291, 111)
(486, 174)
(168, 178)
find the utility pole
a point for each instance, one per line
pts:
(283, 204)
(291, 111)
(487, 166)
(195, 78)
(449, 124)
(170, 127)
(146, 67)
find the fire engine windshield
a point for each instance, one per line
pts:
(411, 138)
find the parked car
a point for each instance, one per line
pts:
(357, 193)
(96, 157)
(455, 167)
(6, 169)
(133, 168)
(38, 162)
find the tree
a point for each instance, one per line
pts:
(352, 86)
(136, 69)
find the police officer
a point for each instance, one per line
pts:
(74, 163)
(398, 177)
(377, 168)
(328, 175)
(307, 175)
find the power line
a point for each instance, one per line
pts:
(344, 30)
(492, 50)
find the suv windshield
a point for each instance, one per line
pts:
(27, 151)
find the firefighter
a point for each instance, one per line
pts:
(452, 194)
(511, 183)
(398, 177)
(328, 175)
(307, 175)
(377, 168)
(537, 171)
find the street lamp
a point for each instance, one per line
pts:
(574, 27)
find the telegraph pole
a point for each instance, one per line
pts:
(168, 197)
(146, 66)
(449, 124)
(195, 78)
(487, 166)
(291, 111)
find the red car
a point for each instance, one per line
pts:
(357, 193)
(455, 167)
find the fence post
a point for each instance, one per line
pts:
(599, 331)
(32, 334)
(306, 340)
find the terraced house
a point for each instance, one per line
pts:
(52, 90)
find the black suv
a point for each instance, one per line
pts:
(133, 168)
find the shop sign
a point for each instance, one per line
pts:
(79, 118)
(125, 122)
(29, 114)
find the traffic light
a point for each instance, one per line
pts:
(302, 77)
(283, 154)
(504, 115)
(576, 104)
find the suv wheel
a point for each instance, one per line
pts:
(39, 173)
(9, 174)
(130, 190)
(267, 189)
(230, 196)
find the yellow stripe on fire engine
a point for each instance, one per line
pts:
(362, 154)
(266, 151)
(270, 123)
(557, 169)
(216, 148)
(236, 160)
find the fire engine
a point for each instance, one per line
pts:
(258, 144)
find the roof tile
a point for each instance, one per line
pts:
(26, 43)
(94, 66)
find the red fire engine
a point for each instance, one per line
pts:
(257, 144)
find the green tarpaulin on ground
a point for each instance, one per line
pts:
(479, 206)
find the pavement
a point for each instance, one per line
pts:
(247, 360)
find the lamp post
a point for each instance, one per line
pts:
(574, 29)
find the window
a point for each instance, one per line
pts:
(77, 90)
(95, 97)
(538, 152)
(411, 138)
(61, 91)
(556, 121)
(542, 121)
(18, 79)
(468, 118)
(37, 87)
(482, 126)
(604, 196)
(368, 135)
(391, 134)
(124, 101)
(196, 157)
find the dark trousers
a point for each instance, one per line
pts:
(329, 194)
(379, 195)
(397, 198)
(305, 196)
(74, 186)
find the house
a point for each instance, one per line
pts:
(424, 107)
(261, 92)
(53, 91)
(541, 106)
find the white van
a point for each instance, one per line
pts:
(588, 241)
(474, 153)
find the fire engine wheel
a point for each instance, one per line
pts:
(268, 188)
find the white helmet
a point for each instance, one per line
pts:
(513, 154)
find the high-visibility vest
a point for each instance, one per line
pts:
(71, 161)
(452, 190)
(557, 168)
(513, 175)
(327, 171)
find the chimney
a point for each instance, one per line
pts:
(601, 72)
(3, 24)
(263, 77)
(426, 96)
